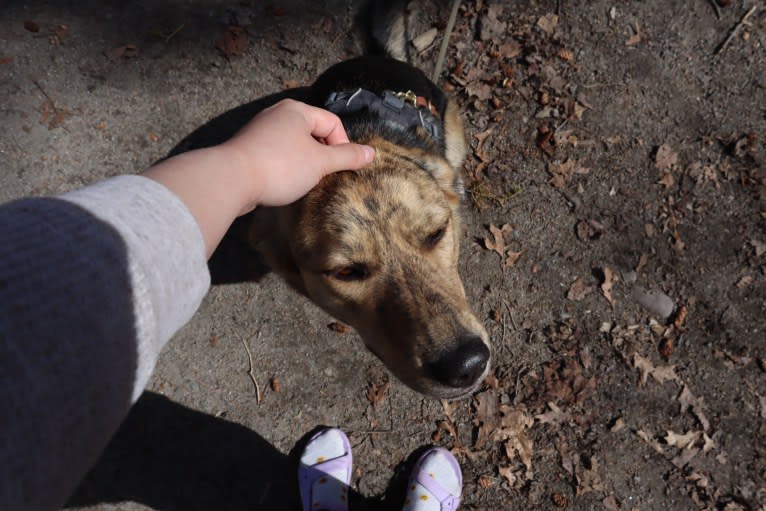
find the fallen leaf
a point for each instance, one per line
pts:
(548, 22)
(645, 369)
(635, 38)
(554, 416)
(276, 385)
(126, 50)
(565, 55)
(509, 473)
(231, 41)
(340, 328)
(579, 289)
(485, 482)
(559, 500)
(481, 138)
(745, 281)
(667, 180)
(688, 401)
(666, 158)
(610, 503)
(649, 439)
(498, 234)
(680, 317)
(31, 26)
(490, 27)
(589, 230)
(377, 390)
(682, 441)
(759, 246)
(606, 285)
(512, 258)
(510, 49)
(587, 476)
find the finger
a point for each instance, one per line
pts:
(325, 125)
(346, 157)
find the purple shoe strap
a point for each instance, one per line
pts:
(325, 467)
(448, 501)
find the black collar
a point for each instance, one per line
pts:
(405, 110)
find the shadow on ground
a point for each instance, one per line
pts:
(168, 456)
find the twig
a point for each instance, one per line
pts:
(734, 31)
(716, 8)
(173, 33)
(53, 105)
(445, 41)
(510, 315)
(250, 371)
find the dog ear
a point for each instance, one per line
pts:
(449, 178)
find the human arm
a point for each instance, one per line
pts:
(272, 161)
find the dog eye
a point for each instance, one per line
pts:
(350, 273)
(434, 238)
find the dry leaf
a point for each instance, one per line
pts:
(377, 390)
(635, 38)
(481, 138)
(490, 27)
(127, 51)
(606, 286)
(744, 282)
(510, 49)
(31, 26)
(667, 180)
(340, 328)
(498, 233)
(610, 503)
(548, 22)
(588, 479)
(666, 158)
(646, 369)
(579, 289)
(682, 441)
(759, 246)
(231, 41)
(649, 439)
(509, 473)
(512, 258)
(554, 416)
(689, 402)
(276, 385)
(485, 482)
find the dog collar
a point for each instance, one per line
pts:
(405, 109)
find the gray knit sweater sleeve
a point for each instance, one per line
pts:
(93, 283)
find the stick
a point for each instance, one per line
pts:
(736, 29)
(716, 8)
(250, 371)
(445, 41)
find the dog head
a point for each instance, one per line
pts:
(378, 249)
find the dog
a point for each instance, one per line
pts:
(377, 248)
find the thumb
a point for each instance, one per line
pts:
(346, 157)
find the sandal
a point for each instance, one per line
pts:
(324, 473)
(436, 482)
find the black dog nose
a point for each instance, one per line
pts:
(463, 366)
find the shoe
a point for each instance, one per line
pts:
(436, 482)
(324, 473)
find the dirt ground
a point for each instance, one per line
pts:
(615, 247)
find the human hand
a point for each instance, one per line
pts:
(287, 148)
